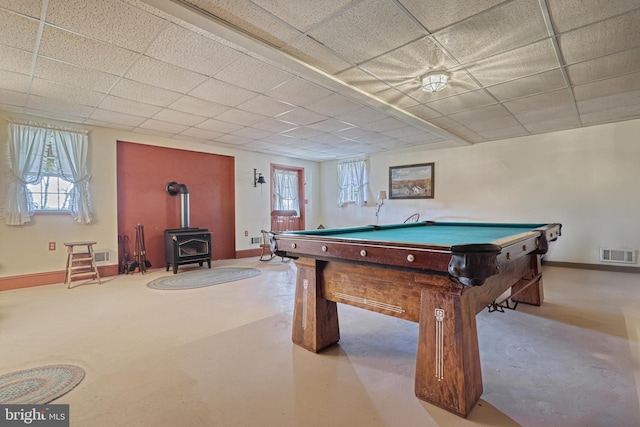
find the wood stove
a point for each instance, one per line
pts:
(185, 245)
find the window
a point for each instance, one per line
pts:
(285, 190)
(353, 182)
(48, 172)
(49, 191)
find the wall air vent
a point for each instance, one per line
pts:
(626, 256)
(102, 257)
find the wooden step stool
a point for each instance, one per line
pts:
(80, 265)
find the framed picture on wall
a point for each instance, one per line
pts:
(411, 181)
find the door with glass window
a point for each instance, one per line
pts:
(287, 198)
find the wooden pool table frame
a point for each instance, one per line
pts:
(440, 288)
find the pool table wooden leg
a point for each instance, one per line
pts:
(448, 360)
(315, 319)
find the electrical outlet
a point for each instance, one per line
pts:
(52, 246)
(246, 233)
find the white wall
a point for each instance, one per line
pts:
(24, 249)
(587, 179)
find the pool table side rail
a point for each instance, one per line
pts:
(470, 265)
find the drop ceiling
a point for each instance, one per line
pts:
(322, 80)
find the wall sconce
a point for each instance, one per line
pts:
(258, 178)
(379, 202)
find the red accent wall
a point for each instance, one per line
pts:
(143, 173)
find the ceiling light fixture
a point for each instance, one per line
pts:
(435, 81)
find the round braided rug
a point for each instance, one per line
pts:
(202, 278)
(37, 386)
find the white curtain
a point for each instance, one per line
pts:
(25, 152)
(26, 147)
(72, 152)
(353, 174)
(285, 188)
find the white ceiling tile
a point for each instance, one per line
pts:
(58, 106)
(222, 93)
(537, 102)
(423, 112)
(131, 89)
(18, 31)
(568, 111)
(186, 49)
(240, 117)
(266, 106)
(495, 31)
(387, 124)
(491, 125)
(553, 125)
(409, 62)
(205, 134)
(250, 73)
(178, 117)
(110, 125)
(16, 60)
(73, 75)
(435, 15)
(600, 88)
(253, 133)
(71, 117)
(199, 107)
(219, 126)
(569, 14)
(362, 116)
(111, 21)
(465, 101)
(65, 93)
(299, 92)
(273, 125)
(160, 74)
(368, 29)
(628, 102)
(245, 14)
(330, 125)
(605, 67)
(29, 8)
(128, 106)
(14, 81)
(362, 80)
(303, 132)
(334, 105)
(315, 54)
(481, 114)
(93, 54)
(234, 139)
(603, 38)
(531, 85)
(525, 61)
(504, 132)
(304, 14)
(11, 97)
(301, 116)
(163, 126)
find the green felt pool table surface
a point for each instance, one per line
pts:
(438, 233)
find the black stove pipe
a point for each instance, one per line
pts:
(173, 188)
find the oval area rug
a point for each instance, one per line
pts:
(38, 386)
(203, 278)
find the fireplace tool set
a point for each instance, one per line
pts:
(139, 260)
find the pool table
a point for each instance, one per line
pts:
(439, 274)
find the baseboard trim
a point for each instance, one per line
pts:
(46, 278)
(249, 253)
(598, 267)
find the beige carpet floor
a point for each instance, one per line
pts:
(222, 355)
